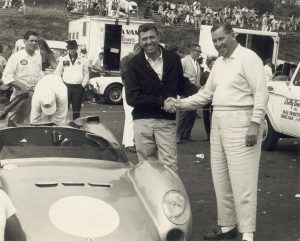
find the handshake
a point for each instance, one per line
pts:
(171, 105)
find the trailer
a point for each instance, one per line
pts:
(116, 38)
(264, 43)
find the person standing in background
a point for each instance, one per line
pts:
(75, 73)
(191, 70)
(23, 71)
(207, 109)
(128, 133)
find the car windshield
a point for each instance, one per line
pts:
(64, 142)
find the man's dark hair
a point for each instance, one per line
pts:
(147, 27)
(194, 46)
(226, 27)
(29, 33)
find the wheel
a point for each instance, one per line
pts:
(270, 136)
(113, 94)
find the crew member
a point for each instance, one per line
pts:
(50, 101)
(23, 71)
(75, 74)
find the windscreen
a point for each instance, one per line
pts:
(64, 142)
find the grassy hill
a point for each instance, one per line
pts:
(52, 23)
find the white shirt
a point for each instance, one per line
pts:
(7, 209)
(193, 63)
(237, 81)
(77, 73)
(24, 68)
(47, 84)
(268, 71)
(157, 65)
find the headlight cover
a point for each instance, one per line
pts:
(175, 207)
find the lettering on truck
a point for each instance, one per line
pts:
(290, 110)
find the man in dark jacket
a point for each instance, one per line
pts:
(153, 75)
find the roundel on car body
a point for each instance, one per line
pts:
(84, 216)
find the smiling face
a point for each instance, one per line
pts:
(224, 43)
(149, 42)
(31, 44)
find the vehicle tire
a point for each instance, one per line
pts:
(270, 136)
(113, 94)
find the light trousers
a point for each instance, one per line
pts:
(128, 133)
(155, 140)
(234, 168)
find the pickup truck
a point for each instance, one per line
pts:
(283, 110)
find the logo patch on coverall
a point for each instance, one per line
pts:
(24, 62)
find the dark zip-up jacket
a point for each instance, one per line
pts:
(146, 93)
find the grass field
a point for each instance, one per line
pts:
(52, 23)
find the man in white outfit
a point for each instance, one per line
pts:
(238, 91)
(128, 134)
(10, 226)
(23, 71)
(50, 101)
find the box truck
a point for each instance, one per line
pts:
(264, 43)
(116, 38)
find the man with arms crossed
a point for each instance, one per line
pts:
(238, 90)
(153, 75)
(23, 71)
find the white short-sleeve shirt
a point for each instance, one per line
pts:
(7, 209)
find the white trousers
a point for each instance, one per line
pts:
(234, 169)
(128, 134)
(155, 140)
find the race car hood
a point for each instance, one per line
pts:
(77, 201)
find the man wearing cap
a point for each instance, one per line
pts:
(23, 71)
(50, 101)
(74, 71)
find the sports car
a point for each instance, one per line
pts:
(75, 183)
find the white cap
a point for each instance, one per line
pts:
(48, 103)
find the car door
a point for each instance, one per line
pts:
(290, 112)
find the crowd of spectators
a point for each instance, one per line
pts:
(194, 14)
(100, 7)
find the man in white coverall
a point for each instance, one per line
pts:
(50, 101)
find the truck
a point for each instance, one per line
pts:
(113, 36)
(283, 110)
(264, 43)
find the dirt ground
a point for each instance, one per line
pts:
(278, 211)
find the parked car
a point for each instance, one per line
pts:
(283, 111)
(73, 184)
(108, 87)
